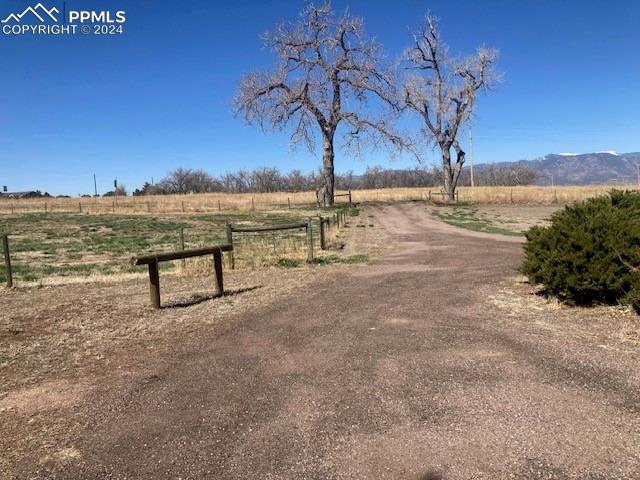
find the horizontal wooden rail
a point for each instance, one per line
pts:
(230, 229)
(456, 194)
(167, 256)
(154, 275)
(267, 228)
(348, 194)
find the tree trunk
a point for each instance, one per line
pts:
(451, 175)
(327, 181)
(448, 191)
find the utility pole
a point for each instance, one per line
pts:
(95, 186)
(471, 156)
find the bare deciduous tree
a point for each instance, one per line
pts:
(185, 180)
(443, 91)
(327, 71)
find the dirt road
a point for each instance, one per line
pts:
(398, 370)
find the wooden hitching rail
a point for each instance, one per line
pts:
(154, 259)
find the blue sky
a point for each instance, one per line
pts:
(159, 96)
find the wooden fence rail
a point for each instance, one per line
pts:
(230, 229)
(154, 259)
(441, 194)
(348, 194)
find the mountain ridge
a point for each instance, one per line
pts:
(602, 167)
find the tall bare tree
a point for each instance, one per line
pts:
(443, 90)
(327, 71)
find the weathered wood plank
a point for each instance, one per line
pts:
(164, 257)
(267, 228)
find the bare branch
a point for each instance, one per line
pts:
(327, 73)
(443, 91)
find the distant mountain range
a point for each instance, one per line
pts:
(580, 169)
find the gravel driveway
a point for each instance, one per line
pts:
(396, 370)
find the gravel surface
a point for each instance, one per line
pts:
(407, 368)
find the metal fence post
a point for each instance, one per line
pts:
(323, 240)
(7, 260)
(230, 242)
(309, 242)
(184, 262)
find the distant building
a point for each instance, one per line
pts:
(29, 194)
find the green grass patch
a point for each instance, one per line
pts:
(288, 263)
(332, 259)
(469, 217)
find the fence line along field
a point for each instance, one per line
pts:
(66, 237)
(241, 202)
(53, 245)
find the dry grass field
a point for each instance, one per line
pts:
(59, 239)
(230, 203)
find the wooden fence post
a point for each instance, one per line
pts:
(113, 207)
(148, 207)
(337, 221)
(184, 262)
(154, 284)
(230, 242)
(7, 260)
(45, 207)
(323, 240)
(253, 203)
(217, 266)
(350, 204)
(289, 202)
(429, 195)
(219, 207)
(309, 242)
(80, 207)
(182, 202)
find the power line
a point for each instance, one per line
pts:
(471, 156)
